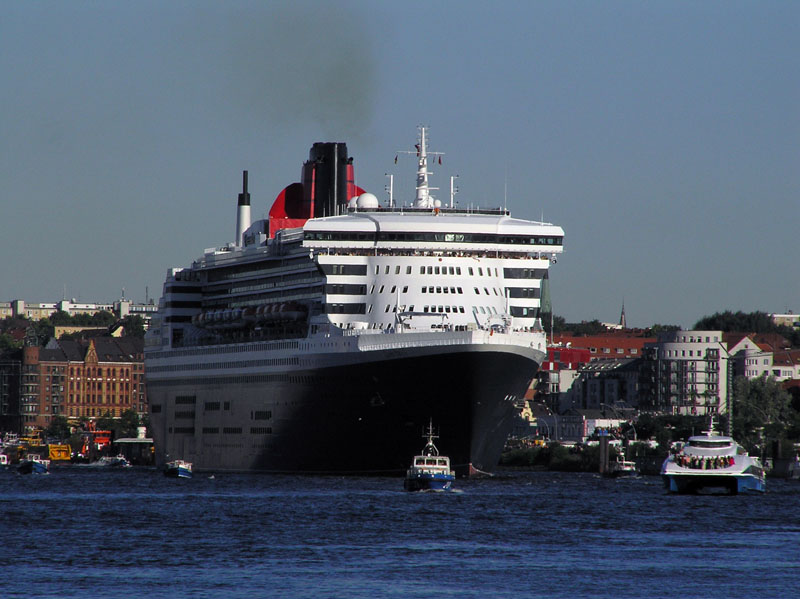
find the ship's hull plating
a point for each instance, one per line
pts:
(730, 483)
(428, 482)
(357, 418)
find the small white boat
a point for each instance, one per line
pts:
(429, 471)
(621, 467)
(178, 469)
(118, 461)
(711, 461)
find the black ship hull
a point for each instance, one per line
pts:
(364, 418)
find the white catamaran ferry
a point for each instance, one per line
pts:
(338, 325)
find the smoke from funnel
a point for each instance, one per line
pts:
(307, 64)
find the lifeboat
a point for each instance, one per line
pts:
(270, 312)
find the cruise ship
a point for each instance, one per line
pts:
(328, 334)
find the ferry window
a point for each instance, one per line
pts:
(387, 308)
(397, 269)
(471, 273)
(488, 272)
(447, 309)
(446, 290)
(430, 270)
(424, 308)
(424, 290)
(485, 289)
(387, 270)
(452, 290)
(441, 309)
(480, 272)
(460, 290)
(394, 288)
(372, 289)
(411, 308)
(477, 291)
(408, 270)
(461, 309)
(405, 289)
(381, 289)
(369, 309)
(430, 289)
(438, 290)
(421, 270)
(495, 290)
(495, 273)
(451, 270)
(482, 310)
(436, 270)
(377, 269)
(458, 270)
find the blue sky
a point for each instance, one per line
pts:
(663, 136)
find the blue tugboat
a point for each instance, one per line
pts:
(429, 471)
(178, 469)
(34, 464)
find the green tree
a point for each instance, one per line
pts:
(663, 328)
(134, 326)
(61, 318)
(58, 428)
(8, 344)
(102, 319)
(761, 412)
(128, 424)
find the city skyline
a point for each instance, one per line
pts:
(661, 137)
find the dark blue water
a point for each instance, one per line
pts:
(80, 532)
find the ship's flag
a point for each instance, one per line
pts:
(417, 146)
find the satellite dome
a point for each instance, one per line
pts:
(368, 200)
(352, 202)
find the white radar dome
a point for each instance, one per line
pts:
(352, 202)
(437, 203)
(368, 200)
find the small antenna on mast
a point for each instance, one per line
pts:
(505, 189)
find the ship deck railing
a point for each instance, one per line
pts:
(438, 253)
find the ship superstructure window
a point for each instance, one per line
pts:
(525, 273)
(345, 308)
(523, 292)
(344, 269)
(343, 289)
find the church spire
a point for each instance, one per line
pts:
(622, 316)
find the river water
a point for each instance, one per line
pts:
(86, 532)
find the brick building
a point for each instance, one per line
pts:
(81, 378)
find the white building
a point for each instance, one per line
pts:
(688, 372)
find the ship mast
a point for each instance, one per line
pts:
(424, 198)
